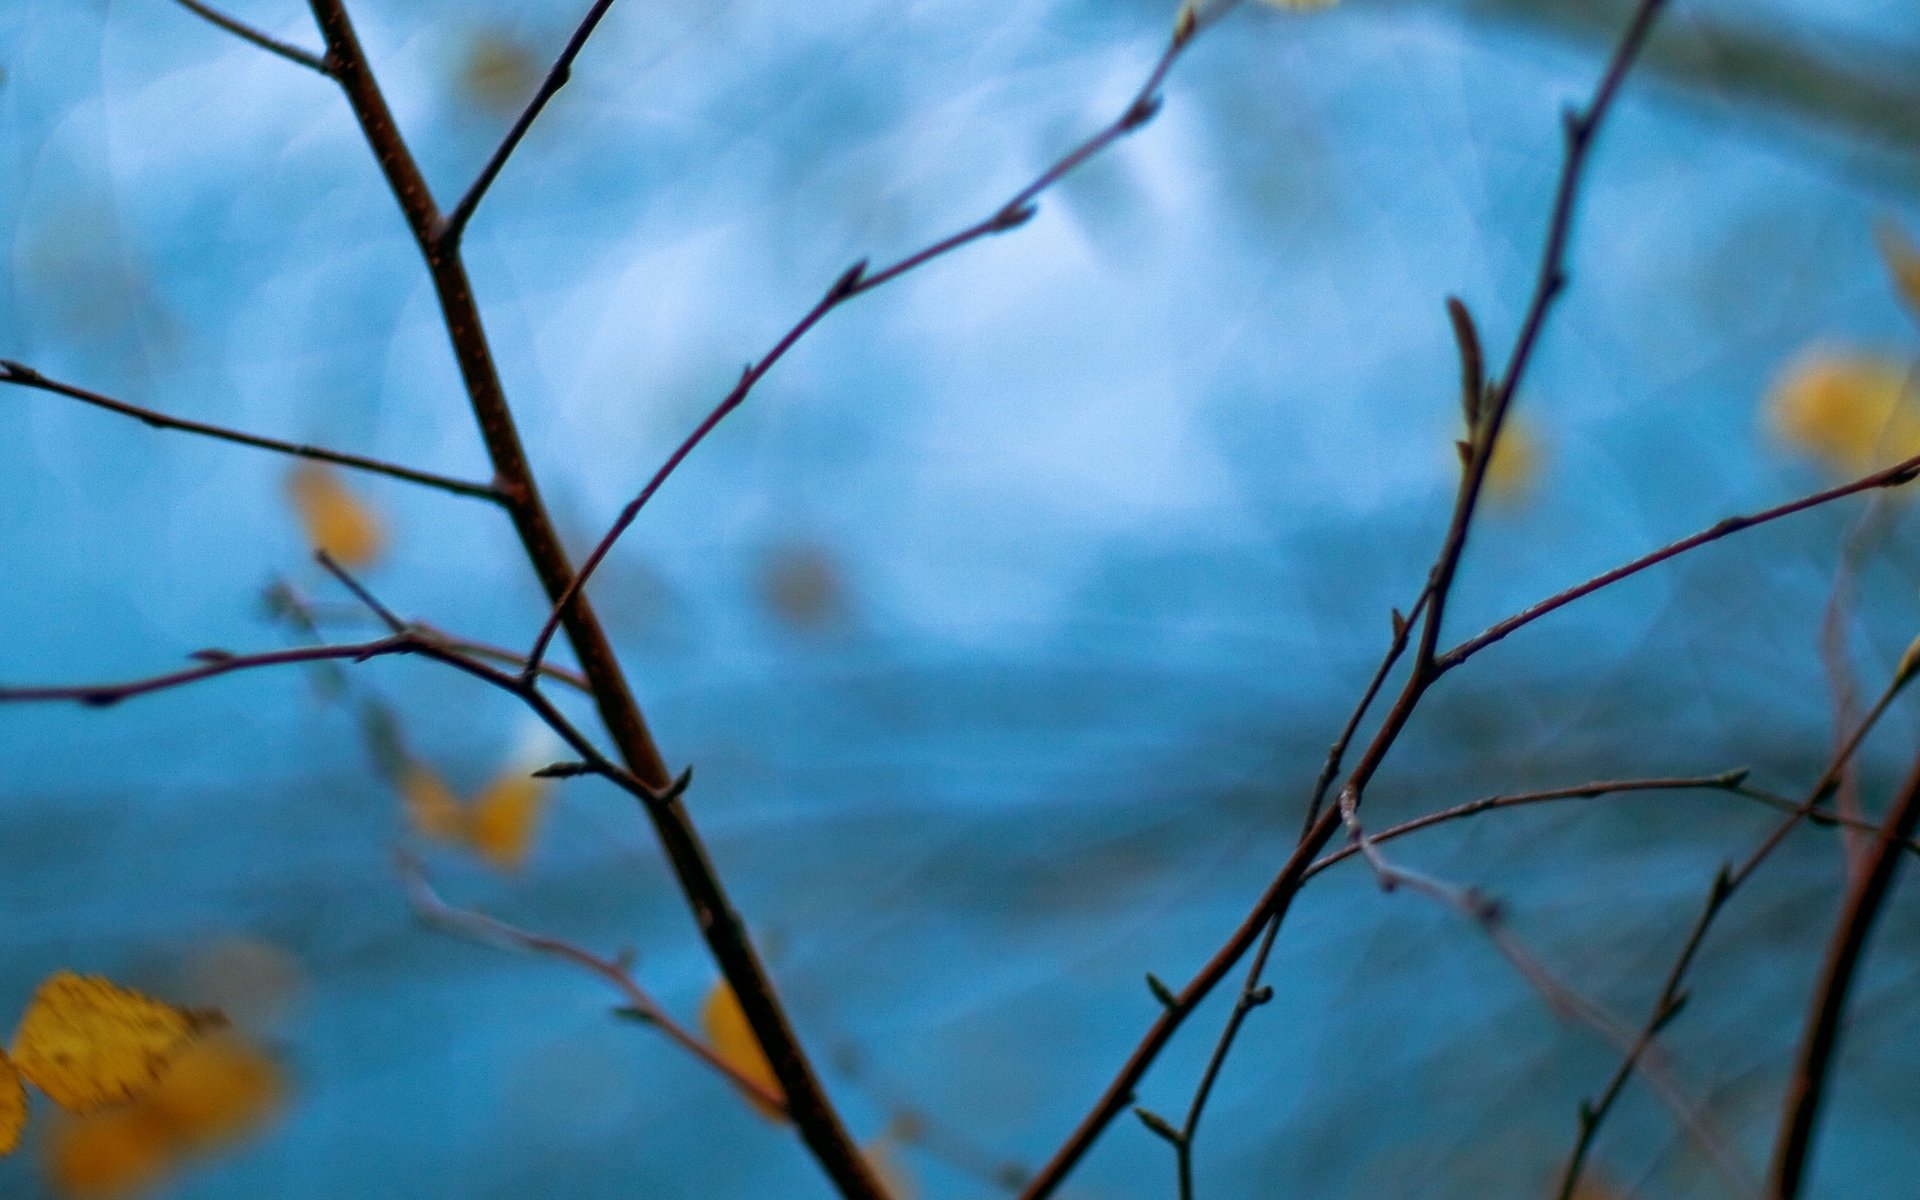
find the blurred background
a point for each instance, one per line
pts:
(1008, 622)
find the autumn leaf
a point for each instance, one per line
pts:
(732, 1040)
(221, 1089)
(888, 1171)
(498, 73)
(13, 1106)
(117, 1153)
(498, 825)
(88, 1043)
(1849, 409)
(335, 520)
(1516, 463)
(504, 817)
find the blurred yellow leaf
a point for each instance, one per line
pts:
(733, 1042)
(88, 1043)
(1902, 258)
(222, 1088)
(1848, 409)
(335, 519)
(1516, 463)
(498, 73)
(431, 805)
(504, 818)
(498, 825)
(251, 982)
(107, 1155)
(801, 584)
(13, 1106)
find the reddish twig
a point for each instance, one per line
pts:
(857, 281)
(25, 376)
(447, 235)
(479, 927)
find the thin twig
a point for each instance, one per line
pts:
(1580, 129)
(857, 280)
(25, 376)
(1866, 896)
(450, 230)
(720, 925)
(245, 32)
(1898, 474)
(1726, 881)
(380, 611)
(479, 927)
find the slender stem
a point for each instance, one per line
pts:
(450, 230)
(720, 925)
(1274, 902)
(1866, 896)
(1900, 473)
(479, 927)
(25, 376)
(858, 280)
(245, 32)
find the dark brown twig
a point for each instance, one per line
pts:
(479, 927)
(857, 281)
(25, 376)
(1580, 129)
(448, 233)
(720, 926)
(248, 33)
(1866, 896)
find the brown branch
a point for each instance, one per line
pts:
(448, 234)
(1726, 882)
(1900, 473)
(248, 33)
(25, 376)
(857, 281)
(479, 927)
(1866, 896)
(1272, 906)
(719, 924)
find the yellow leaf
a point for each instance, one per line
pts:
(1902, 260)
(335, 519)
(220, 1089)
(1516, 463)
(431, 805)
(1846, 408)
(498, 73)
(88, 1043)
(13, 1107)
(505, 817)
(108, 1155)
(732, 1040)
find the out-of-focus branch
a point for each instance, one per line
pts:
(24, 376)
(1866, 896)
(479, 927)
(448, 234)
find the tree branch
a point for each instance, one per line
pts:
(25, 376)
(720, 925)
(448, 234)
(248, 33)
(857, 281)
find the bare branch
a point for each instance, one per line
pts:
(25, 376)
(248, 33)
(479, 927)
(447, 236)
(857, 280)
